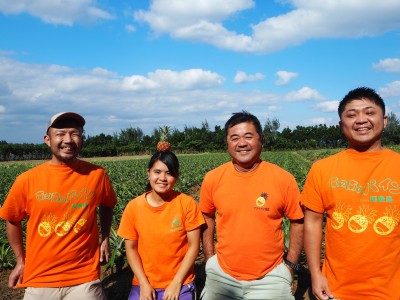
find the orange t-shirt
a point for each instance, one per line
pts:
(360, 193)
(62, 238)
(161, 233)
(250, 207)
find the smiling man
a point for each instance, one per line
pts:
(358, 190)
(60, 200)
(250, 197)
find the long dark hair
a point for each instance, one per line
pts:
(169, 159)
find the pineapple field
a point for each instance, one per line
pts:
(129, 179)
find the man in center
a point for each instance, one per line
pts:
(247, 199)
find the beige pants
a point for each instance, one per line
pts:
(276, 285)
(85, 291)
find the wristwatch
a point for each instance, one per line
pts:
(294, 266)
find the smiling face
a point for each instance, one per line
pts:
(362, 122)
(161, 180)
(65, 141)
(244, 145)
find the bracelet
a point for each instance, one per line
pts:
(294, 266)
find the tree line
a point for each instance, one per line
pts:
(132, 141)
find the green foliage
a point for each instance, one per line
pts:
(286, 232)
(391, 134)
(165, 132)
(9, 152)
(7, 259)
(117, 258)
(129, 179)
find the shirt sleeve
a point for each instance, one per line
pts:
(311, 195)
(109, 198)
(127, 228)
(206, 202)
(293, 209)
(14, 207)
(194, 217)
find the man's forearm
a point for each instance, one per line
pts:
(313, 239)
(296, 240)
(208, 236)
(105, 213)
(14, 235)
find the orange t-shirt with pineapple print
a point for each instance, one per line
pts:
(250, 207)
(161, 233)
(360, 193)
(62, 236)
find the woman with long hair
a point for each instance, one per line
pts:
(161, 229)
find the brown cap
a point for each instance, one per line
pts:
(66, 115)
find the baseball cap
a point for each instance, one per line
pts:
(66, 116)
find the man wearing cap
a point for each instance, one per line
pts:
(59, 198)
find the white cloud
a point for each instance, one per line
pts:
(392, 89)
(202, 21)
(205, 21)
(303, 94)
(7, 52)
(30, 93)
(284, 77)
(63, 12)
(184, 80)
(103, 72)
(130, 28)
(273, 108)
(388, 65)
(2, 109)
(327, 106)
(171, 15)
(242, 77)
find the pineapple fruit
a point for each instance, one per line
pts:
(163, 144)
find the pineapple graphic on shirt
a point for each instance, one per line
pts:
(386, 224)
(340, 215)
(359, 222)
(260, 201)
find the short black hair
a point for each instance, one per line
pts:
(361, 93)
(243, 117)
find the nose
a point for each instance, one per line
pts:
(67, 138)
(361, 118)
(242, 142)
(163, 176)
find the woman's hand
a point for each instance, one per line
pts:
(172, 291)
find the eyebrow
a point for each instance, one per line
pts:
(363, 108)
(246, 133)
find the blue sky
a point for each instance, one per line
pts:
(180, 63)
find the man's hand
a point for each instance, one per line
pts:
(104, 251)
(16, 276)
(320, 287)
